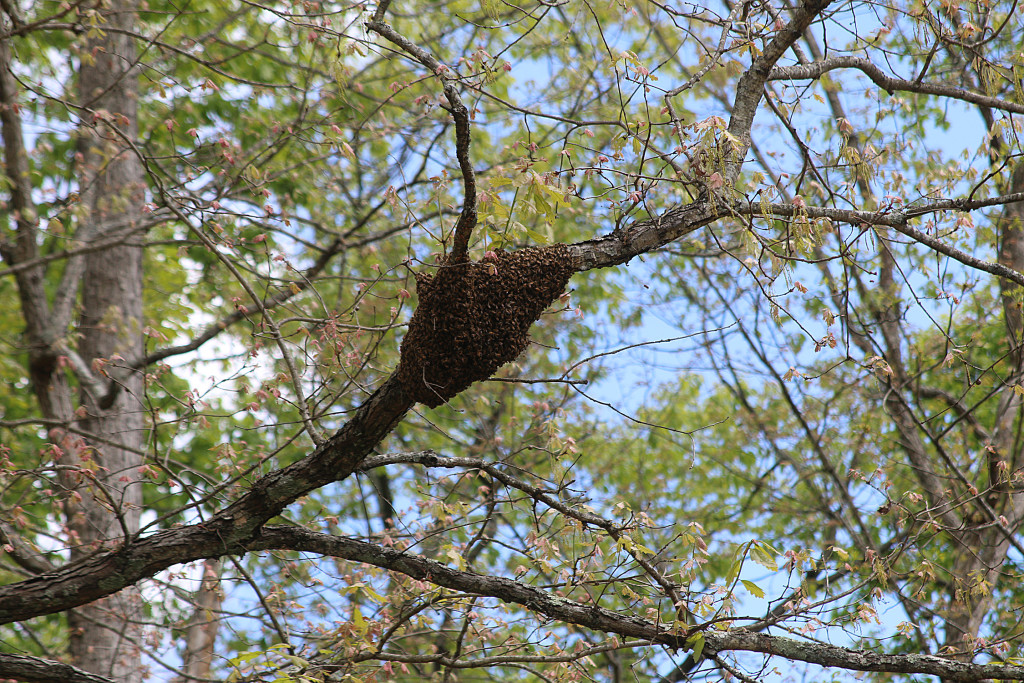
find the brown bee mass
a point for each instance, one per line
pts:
(474, 316)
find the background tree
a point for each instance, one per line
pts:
(270, 410)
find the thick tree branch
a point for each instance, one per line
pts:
(750, 88)
(227, 532)
(230, 530)
(646, 235)
(643, 236)
(37, 670)
(629, 625)
(888, 83)
(233, 528)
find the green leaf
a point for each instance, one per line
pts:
(764, 555)
(753, 588)
(696, 643)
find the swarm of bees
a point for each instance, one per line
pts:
(475, 316)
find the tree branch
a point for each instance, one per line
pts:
(38, 670)
(233, 528)
(230, 530)
(467, 219)
(641, 237)
(750, 87)
(628, 625)
(24, 555)
(227, 532)
(889, 84)
(614, 531)
(899, 220)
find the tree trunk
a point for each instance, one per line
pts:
(980, 570)
(201, 631)
(104, 635)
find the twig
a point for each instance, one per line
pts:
(549, 380)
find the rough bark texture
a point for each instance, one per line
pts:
(34, 670)
(107, 499)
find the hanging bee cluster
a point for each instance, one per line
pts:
(475, 316)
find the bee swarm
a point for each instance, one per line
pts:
(474, 316)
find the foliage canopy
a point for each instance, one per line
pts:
(774, 421)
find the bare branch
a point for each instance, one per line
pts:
(37, 670)
(888, 83)
(26, 557)
(467, 219)
(629, 625)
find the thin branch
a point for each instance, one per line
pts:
(275, 330)
(86, 377)
(295, 288)
(899, 220)
(97, 245)
(467, 219)
(615, 531)
(24, 555)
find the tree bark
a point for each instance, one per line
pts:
(107, 500)
(201, 631)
